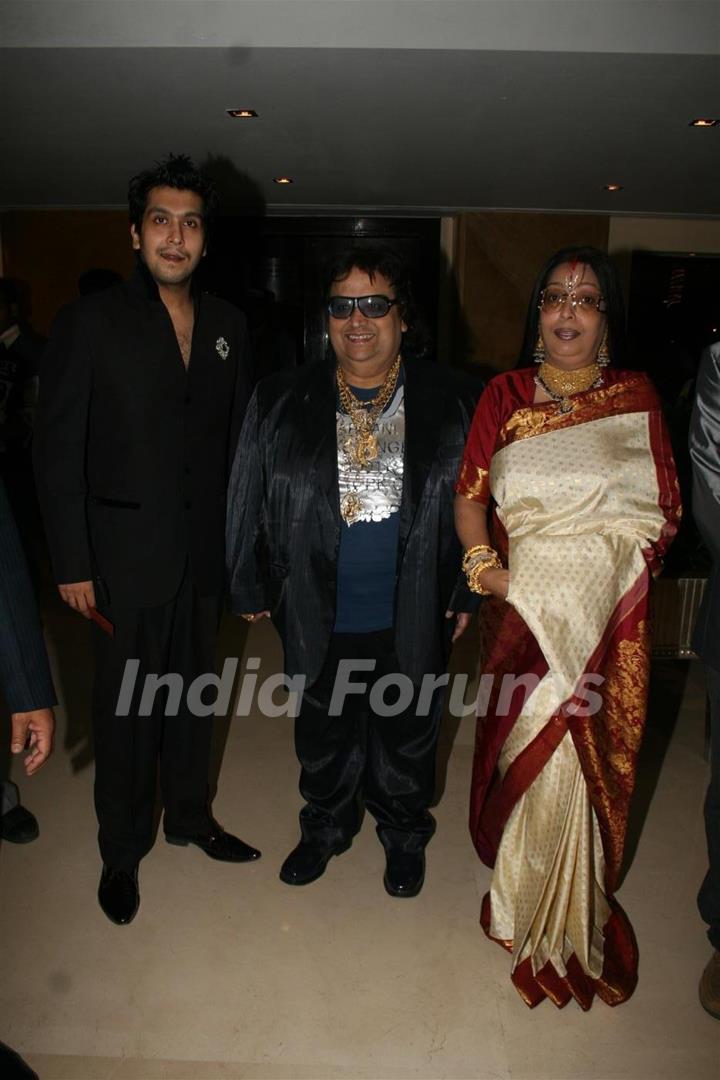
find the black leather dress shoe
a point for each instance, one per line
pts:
(118, 894)
(18, 826)
(218, 844)
(307, 863)
(404, 873)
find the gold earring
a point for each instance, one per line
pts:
(603, 356)
(539, 354)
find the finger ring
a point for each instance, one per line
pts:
(248, 618)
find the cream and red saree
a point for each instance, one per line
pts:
(585, 504)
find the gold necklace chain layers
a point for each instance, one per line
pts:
(361, 445)
(560, 385)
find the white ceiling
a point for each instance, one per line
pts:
(392, 106)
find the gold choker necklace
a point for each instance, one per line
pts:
(361, 445)
(560, 385)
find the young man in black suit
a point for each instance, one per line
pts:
(340, 527)
(143, 388)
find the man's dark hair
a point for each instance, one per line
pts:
(175, 171)
(609, 283)
(391, 265)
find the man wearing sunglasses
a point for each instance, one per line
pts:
(340, 528)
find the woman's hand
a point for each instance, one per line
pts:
(497, 581)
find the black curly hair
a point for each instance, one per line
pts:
(392, 266)
(175, 171)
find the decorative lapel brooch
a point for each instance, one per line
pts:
(222, 348)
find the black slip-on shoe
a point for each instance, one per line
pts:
(404, 873)
(307, 863)
(218, 844)
(119, 895)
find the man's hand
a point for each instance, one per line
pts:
(463, 621)
(80, 596)
(39, 725)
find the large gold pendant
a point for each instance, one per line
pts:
(361, 447)
(351, 507)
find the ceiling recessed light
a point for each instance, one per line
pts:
(283, 180)
(613, 187)
(241, 114)
(704, 121)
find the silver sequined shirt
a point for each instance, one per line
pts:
(379, 486)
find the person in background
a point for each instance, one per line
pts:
(21, 351)
(141, 399)
(705, 455)
(566, 501)
(20, 355)
(27, 691)
(25, 680)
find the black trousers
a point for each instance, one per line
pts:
(177, 637)
(709, 895)
(359, 758)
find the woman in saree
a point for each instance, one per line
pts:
(566, 500)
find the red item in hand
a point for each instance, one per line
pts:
(105, 625)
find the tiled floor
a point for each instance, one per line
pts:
(228, 973)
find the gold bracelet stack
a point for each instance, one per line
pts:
(476, 561)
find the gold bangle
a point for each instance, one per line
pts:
(478, 549)
(473, 575)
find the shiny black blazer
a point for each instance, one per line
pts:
(132, 451)
(705, 454)
(283, 531)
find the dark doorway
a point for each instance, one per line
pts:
(273, 269)
(674, 313)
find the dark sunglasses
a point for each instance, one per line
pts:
(372, 307)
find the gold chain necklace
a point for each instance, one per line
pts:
(361, 445)
(560, 385)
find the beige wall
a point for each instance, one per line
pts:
(496, 259)
(664, 234)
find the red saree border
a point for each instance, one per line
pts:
(617, 980)
(524, 770)
(608, 743)
(626, 605)
(514, 650)
(633, 394)
(491, 807)
(668, 489)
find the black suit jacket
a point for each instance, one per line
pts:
(25, 679)
(284, 515)
(705, 454)
(132, 452)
